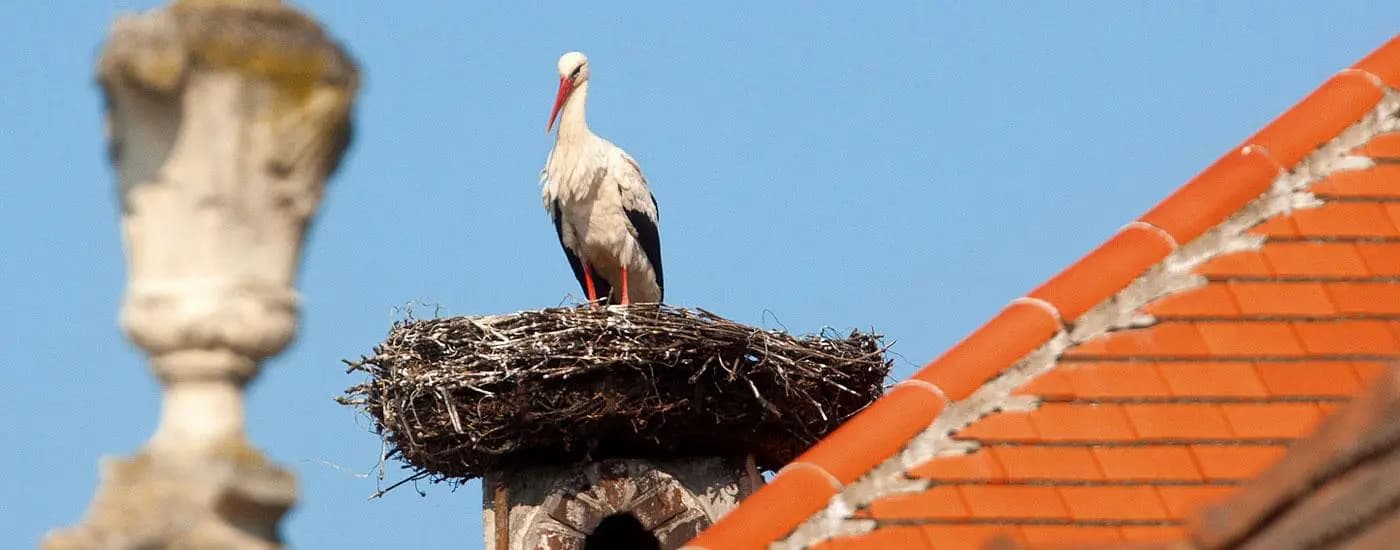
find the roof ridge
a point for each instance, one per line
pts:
(1170, 273)
(1102, 292)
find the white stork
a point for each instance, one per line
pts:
(602, 209)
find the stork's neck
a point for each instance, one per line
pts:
(572, 123)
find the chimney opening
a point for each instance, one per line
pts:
(621, 530)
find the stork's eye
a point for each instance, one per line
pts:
(574, 74)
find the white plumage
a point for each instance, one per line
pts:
(603, 211)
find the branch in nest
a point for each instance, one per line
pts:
(457, 397)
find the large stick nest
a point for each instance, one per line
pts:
(456, 397)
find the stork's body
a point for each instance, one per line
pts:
(603, 211)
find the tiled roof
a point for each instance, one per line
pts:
(1158, 373)
(1335, 489)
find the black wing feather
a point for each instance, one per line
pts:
(650, 239)
(599, 283)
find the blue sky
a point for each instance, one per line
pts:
(909, 169)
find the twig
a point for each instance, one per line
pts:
(453, 398)
(415, 477)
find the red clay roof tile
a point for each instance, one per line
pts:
(1382, 259)
(1316, 259)
(1235, 462)
(1113, 379)
(1016, 331)
(1013, 425)
(1211, 299)
(771, 511)
(1224, 187)
(1383, 146)
(969, 537)
(1096, 346)
(1036, 462)
(1331, 490)
(1339, 103)
(1170, 338)
(1182, 501)
(1274, 298)
(1152, 534)
(1156, 462)
(1104, 271)
(1308, 378)
(1271, 420)
(1347, 337)
(939, 501)
(1067, 536)
(1393, 210)
(1365, 298)
(1179, 421)
(1281, 226)
(1384, 63)
(1346, 219)
(1055, 383)
(1136, 429)
(1081, 422)
(1366, 371)
(978, 465)
(1328, 408)
(875, 433)
(1379, 181)
(1137, 502)
(1212, 379)
(1251, 264)
(1267, 338)
(1013, 501)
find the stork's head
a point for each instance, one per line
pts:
(573, 72)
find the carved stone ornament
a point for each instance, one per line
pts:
(224, 119)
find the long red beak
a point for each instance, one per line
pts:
(565, 88)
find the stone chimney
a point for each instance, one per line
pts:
(608, 427)
(617, 503)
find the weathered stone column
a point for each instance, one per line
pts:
(617, 503)
(225, 118)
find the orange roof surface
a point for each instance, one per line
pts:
(1158, 373)
(1334, 489)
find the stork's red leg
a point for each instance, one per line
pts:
(588, 282)
(625, 298)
